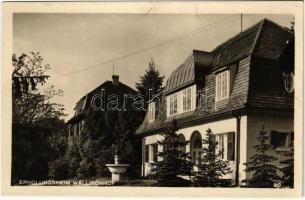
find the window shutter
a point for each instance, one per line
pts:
(231, 146)
(146, 153)
(274, 139)
(217, 87)
(213, 139)
(155, 152)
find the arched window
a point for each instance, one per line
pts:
(196, 147)
(181, 138)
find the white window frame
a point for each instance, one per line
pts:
(150, 153)
(222, 145)
(182, 97)
(187, 99)
(222, 85)
(173, 104)
(287, 135)
(151, 112)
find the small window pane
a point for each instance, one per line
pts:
(222, 85)
(146, 153)
(155, 152)
(279, 139)
(187, 99)
(231, 146)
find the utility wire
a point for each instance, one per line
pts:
(179, 37)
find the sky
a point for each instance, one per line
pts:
(73, 42)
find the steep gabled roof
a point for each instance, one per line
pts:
(79, 107)
(265, 39)
(272, 40)
(237, 47)
(84, 103)
(187, 73)
(262, 46)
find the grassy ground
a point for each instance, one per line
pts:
(138, 182)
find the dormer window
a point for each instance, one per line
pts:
(173, 104)
(181, 101)
(187, 99)
(222, 85)
(151, 112)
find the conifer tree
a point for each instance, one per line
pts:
(211, 168)
(264, 172)
(288, 170)
(174, 162)
(151, 81)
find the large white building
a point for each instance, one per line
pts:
(242, 84)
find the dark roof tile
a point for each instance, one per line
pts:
(185, 74)
(258, 82)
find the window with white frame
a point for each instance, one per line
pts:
(152, 153)
(226, 146)
(196, 147)
(151, 112)
(187, 99)
(281, 139)
(181, 101)
(222, 85)
(173, 104)
(231, 146)
(221, 145)
(146, 153)
(155, 152)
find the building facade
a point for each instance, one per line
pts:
(105, 100)
(243, 84)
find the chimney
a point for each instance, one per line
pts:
(115, 80)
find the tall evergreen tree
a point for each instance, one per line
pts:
(264, 172)
(151, 81)
(288, 170)
(211, 168)
(174, 162)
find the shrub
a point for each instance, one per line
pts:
(59, 169)
(211, 169)
(265, 174)
(174, 162)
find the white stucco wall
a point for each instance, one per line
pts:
(249, 128)
(151, 140)
(218, 127)
(271, 123)
(243, 147)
